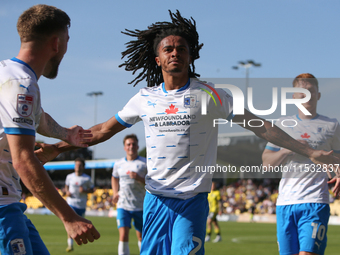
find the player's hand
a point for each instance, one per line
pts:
(335, 179)
(320, 157)
(81, 230)
(133, 175)
(115, 199)
(332, 162)
(77, 136)
(46, 152)
(336, 188)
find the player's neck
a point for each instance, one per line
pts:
(131, 157)
(307, 117)
(175, 82)
(79, 173)
(35, 56)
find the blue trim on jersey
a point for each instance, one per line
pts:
(181, 89)
(122, 121)
(25, 64)
(272, 148)
(316, 116)
(133, 159)
(19, 131)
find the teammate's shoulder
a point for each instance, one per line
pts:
(328, 119)
(86, 176)
(150, 90)
(140, 158)
(14, 70)
(120, 161)
(283, 118)
(196, 83)
(70, 175)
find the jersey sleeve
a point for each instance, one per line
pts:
(130, 115)
(115, 171)
(273, 147)
(67, 181)
(89, 184)
(336, 139)
(19, 108)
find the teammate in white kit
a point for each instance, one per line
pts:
(128, 185)
(77, 186)
(43, 31)
(302, 206)
(178, 136)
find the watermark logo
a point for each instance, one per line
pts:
(204, 98)
(238, 102)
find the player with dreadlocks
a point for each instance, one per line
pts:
(181, 141)
(141, 53)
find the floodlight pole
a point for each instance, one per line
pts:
(247, 65)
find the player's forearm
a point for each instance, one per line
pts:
(115, 186)
(277, 136)
(100, 134)
(141, 179)
(35, 178)
(50, 128)
(274, 158)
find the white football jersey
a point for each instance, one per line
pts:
(303, 181)
(74, 182)
(178, 136)
(20, 111)
(131, 192)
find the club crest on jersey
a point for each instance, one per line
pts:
(18, 247)
(25, 105)
(190, 101)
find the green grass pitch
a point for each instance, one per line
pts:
(237, 238)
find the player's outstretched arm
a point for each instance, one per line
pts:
(277, 136)
(36, 179)
(115, 189)
(336, 179)
(275, 158)
(100, 133)
(75, 135)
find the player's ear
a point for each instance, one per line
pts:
(54, 41)
(158, 61)
(319, 95)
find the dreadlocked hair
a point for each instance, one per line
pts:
(141, 52)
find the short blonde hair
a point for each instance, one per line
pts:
(41, 21)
